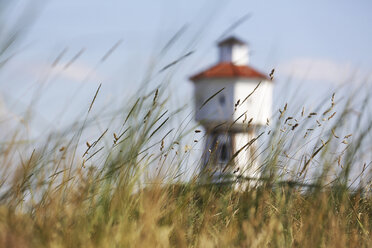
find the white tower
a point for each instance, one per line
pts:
(232, 117)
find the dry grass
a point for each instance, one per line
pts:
(52, 198)
(125, 186)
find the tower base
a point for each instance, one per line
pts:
(230, 156)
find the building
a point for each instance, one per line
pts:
(233, 116)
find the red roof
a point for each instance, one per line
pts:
(229, 70)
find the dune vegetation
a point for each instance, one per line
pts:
(134, 181)
(59, 195)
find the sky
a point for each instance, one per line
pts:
(314, 46)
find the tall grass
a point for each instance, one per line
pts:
(124, 188)
(134, 184)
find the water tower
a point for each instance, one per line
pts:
(234, 115)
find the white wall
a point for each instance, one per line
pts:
(214, 111)
(258, 106)
(234, 53)
(246, 160)
(240, 55)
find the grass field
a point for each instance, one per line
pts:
(56, 196)
(134, 182)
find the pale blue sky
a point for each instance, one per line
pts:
(315, 47)
(321, 42)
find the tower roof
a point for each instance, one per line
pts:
(229, 70)
(231, 40)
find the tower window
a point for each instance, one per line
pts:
(221, 145)
(223, 154)
(222, 100)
